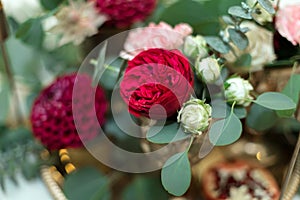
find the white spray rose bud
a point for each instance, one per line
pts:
(195, 46)
(208, 69)
(194, 116)
(238, 90)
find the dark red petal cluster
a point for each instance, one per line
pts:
(157, 77)
(123, 13)
(52, 116)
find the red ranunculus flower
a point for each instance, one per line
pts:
(157, 76)
(52, 115)
(123, 13)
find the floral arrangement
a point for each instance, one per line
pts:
(181, 83)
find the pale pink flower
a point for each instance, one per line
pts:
(78, 21)
(160, 35)
(288, 23)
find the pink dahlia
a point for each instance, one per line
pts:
(123, 13)
(52, 115)
(288, 23)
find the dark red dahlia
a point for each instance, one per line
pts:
(52, 112)
(123, 13)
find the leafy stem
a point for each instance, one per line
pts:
(190, 144)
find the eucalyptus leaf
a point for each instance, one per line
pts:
(261, 118)
(292, 88)
(275, 101)
(86, 183)
(50, 5)
(217, 44)
(228, 20)
(225, 131)
(285, 113)
(238, 38)
(267, 5)
(240, 112)
(166, 134)
(144, 188)
(31, 32)
(176, 174)
(220, 108)
(4, 99)
(244, 61)
(99, 68)
(238, 11)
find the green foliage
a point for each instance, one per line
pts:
(238, 11)
(261, 118)
(31, 32)
(275, 101)
(243, 61)
(201, 15)
(4, 98)
(292, 88)
(87, 183)
(166, 134)
(144, 188)
(99, 67)
(176, 174)
(217, 44)
(18, 153)
(267, 5)
(238, 38)
(225, 131)
(50, 5)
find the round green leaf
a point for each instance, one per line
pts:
(86, 183)
(261, 118)
(145, 188)
(176, 174)
(240, 112)
(275, 101)
(217, 44)
(238, 11)
(238, 38)
(166, 134)
(267, 5)
(225, 131)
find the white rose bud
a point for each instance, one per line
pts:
(194, 116)
(208, 69)
(195, 46)
(238, 90)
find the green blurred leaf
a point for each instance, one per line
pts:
(99, 67)
(166, 134)
(267, 5)
(202, 16)
(50, 5)
(176, 174)
(86, 183)
(111, 74)
(292, 88)
(217, 44)
(238, 38)
(4, 99)
(220, 109)
(261, 118)
(240, 112)
(225, 131)
(144, 188)
(275, 101)
(238, 11)
(244, 61)
(31, 32)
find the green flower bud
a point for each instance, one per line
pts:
(195, 46)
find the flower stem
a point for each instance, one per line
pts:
(190, 144)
